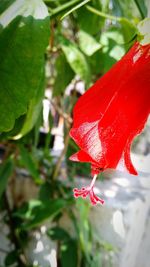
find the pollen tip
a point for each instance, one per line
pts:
(102, 201)
(84, 191)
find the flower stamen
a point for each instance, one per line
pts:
(89, 190)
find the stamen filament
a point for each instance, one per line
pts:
(93, 181)
(84, 191)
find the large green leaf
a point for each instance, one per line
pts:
(76, 59)
(24, 33)
(5, 172)
(33, 112)
(4, 5)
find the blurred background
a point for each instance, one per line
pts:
(41, 224)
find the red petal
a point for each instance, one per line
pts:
(127, 159)
(82, 156)
(87, 137)
(114, 110)
(94, 103)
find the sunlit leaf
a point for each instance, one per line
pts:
(24, 33)
(143, 31)
(113, 48)
(87, 43)
(76, 59)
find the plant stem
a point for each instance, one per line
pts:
(21, 260)
(140, 9)
(61, 113)
(75, 8)
(104, 15)
(58, 10)
(58, 165)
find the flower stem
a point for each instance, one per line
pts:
(107, 16)
(101, 14)
(75, 8)
(58, 10)
(93, 180)
(140, 9)
(60, 159)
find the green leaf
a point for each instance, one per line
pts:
(11, 258)
(33, 111)
(113, 49)
(63, 7)
(87, 43)
(128, 30)
(48, 210)
(30, 165)
(64, 75)
(6, 170)
(76, 59)
(84, 227)
(27, 210)
(16, 129)
(88, 21)
(45, 191)
(58, 233)
(96, 63)
(144, 31)
(141, 7)
(4, 5)
(26, 122)
(69, 253)
(24, 34)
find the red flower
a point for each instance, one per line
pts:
(111, 113)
